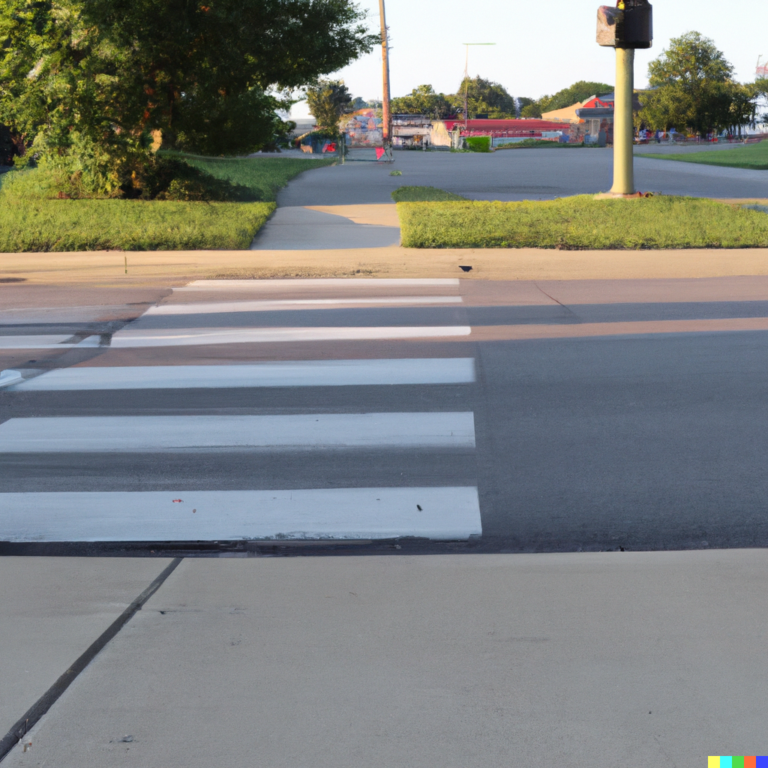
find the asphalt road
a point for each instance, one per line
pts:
(514, 416)
(531, 174)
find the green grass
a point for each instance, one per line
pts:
(579, 223)
(130, 225)
(265, 177)
(135, 225)
(753, 156)
(423, 194)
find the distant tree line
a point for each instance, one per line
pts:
(485, 97)
(692, 89)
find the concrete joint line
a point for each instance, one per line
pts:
(31, 717)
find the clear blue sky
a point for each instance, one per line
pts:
(541, 47)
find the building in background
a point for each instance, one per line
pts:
(501, 131)
(411, 131)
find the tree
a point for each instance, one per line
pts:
(693, 89)
(10, 145)
(485, 97)
(423, 100)
(574, 94)
(108, 76)
(328, 100)
(528, 107)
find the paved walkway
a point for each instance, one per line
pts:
(530, 174)
(297, 228)
(582, 660)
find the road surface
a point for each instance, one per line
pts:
(509, 415)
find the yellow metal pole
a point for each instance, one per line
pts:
(623, 128)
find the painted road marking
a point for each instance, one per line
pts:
(320, 373)
(320, 282)
(47, 342)
(289, 432)
(35, 342)
(345, 513)
(197, 336)
(266, 305)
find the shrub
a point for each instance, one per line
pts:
(478, 143)
(423, 194)
(91, 175)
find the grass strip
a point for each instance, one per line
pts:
(264, 176)
(136, 225)
(750, 156)
(129, 225)
(583, 223)
(423, 194)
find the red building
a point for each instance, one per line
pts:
(530, 128)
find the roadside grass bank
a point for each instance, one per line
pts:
(42, 224)
(583, 223)
(751, 156)
(265, 177)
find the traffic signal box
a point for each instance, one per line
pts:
(628, 25)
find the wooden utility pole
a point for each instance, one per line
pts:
(386, 118)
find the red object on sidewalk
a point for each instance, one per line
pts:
(379, 153)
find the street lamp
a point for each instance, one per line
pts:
(626, 27)
(466, 80)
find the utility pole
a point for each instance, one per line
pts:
(626, 27)
(466, 80)
(386, 118)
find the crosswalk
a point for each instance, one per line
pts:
(376, 460)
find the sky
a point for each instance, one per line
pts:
(541, 47)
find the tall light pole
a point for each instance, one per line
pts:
(466, 79)
(386, 118)
(626, 27)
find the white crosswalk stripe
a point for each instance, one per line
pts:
(221, 307)
(347, 513)
(160, 433)
(316, 284)
(161, 337)
(252, 511)
(46, 342)
(309, 373)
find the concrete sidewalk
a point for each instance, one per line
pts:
(51, 610)
(583, 660)
(105, 269)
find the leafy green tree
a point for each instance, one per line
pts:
(575, 93)
(99, 82)
(528, 107)
(328, 100)
(693, 89)
(485, 97)
(423, 100)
